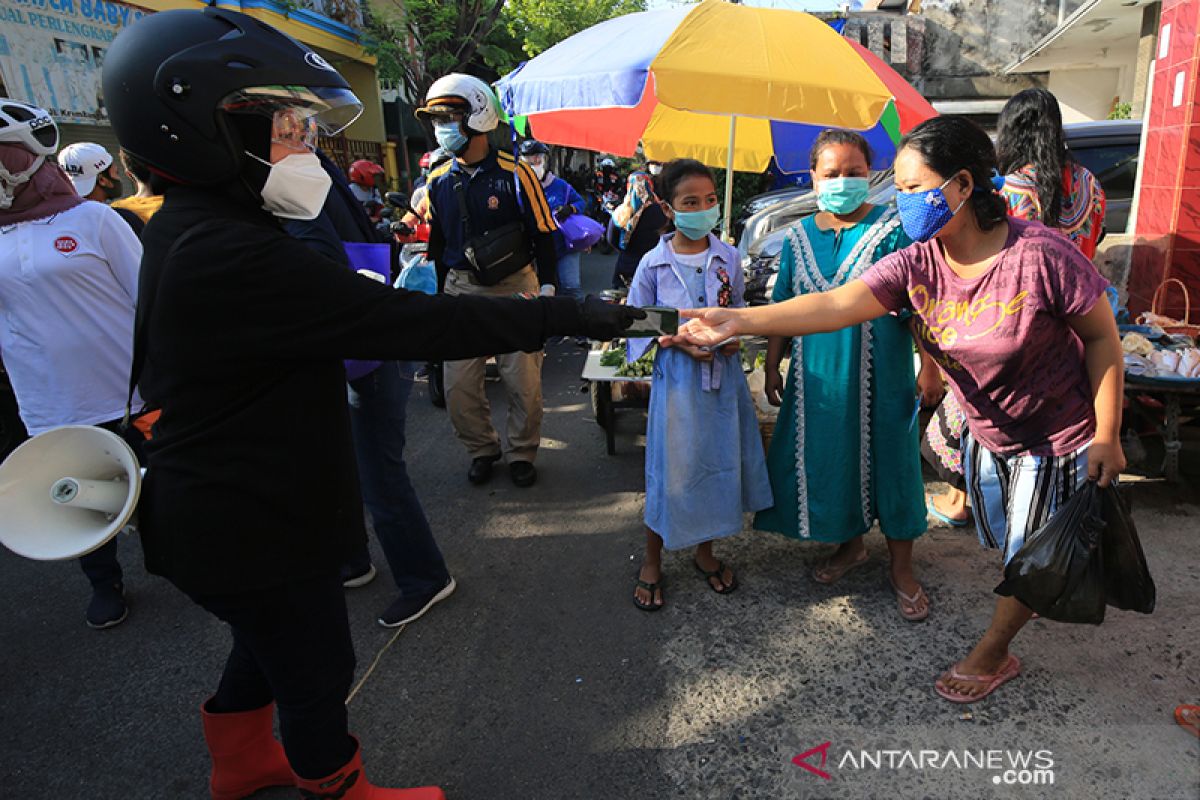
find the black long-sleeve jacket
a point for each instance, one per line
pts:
(251, 478)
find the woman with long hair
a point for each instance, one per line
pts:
(1015, 315)
(1042, 180)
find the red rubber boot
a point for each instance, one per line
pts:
(246, 755)
(350, 783)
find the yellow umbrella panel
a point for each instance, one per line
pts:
(705, 137)
(725, 58)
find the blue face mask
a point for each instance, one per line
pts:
(924, 214)
(696, 225)
(450, 136)
(842, 195)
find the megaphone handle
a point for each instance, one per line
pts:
(107, 497)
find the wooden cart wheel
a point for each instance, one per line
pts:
(598, 390)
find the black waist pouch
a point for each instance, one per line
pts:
(496, 254)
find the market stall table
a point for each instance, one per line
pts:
(1176, 397)
(601, 380)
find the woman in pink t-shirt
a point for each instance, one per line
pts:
(1014, 314)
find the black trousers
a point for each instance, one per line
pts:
(291, 644)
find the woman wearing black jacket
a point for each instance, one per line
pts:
(251, 487)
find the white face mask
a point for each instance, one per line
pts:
(539, 170)
(296, 187)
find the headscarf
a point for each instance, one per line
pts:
(48, 191)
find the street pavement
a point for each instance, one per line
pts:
(539, 680)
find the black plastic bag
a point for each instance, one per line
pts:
(1127, 581)
(1059, 570)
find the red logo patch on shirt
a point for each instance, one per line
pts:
(65, 244)
(493, 202)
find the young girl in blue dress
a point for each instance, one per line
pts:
(704, 458)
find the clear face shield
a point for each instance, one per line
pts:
(299, 115)
(297, 184)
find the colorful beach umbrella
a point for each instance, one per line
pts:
(730, 85)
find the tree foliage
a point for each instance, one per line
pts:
(418, 41)
(538, 25)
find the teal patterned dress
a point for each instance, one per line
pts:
(845, 452)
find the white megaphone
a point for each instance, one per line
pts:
(66, 492)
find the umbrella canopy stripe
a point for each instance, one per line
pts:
(767, 63)
(793, 141)
(705, 137)
(606, 66)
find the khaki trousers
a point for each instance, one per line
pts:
(521, 373)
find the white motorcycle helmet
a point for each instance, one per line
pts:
(465, 94)
(32, 128)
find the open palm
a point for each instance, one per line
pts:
(707, 326)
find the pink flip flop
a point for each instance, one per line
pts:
(1010, 670)
(911, 600)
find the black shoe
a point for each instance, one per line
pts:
(437, 385)
(355, 575)
(410, 609)
(481, 469)
(108, 606)
(523, 473)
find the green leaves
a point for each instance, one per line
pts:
(541, 24)
(418, 41)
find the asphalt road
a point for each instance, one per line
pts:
(539, 680)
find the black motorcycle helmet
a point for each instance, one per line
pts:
(174, 81)
(531, 147)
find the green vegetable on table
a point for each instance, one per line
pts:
(615, 357)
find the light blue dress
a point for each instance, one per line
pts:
(704, 457)
(845, 451)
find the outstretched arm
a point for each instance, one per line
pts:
(811, 313)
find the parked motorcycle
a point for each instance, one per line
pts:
(416, 272)
(601, 209)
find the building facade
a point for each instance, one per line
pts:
(52, 52)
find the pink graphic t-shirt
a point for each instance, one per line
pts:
(1002, 338)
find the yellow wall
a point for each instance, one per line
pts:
(365, 84)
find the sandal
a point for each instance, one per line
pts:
(1010, 670)
(946, 519)
(909, 601)
(1188, 718)
(834, 574)
(716, 573)
(652, 588)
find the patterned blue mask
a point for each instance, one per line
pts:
(924, 214)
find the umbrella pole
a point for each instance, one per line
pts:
(727, 229)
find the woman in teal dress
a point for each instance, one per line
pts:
(845, 452)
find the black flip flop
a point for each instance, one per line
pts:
(716, 573)
(652, 588)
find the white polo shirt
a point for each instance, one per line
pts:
(68, 294)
